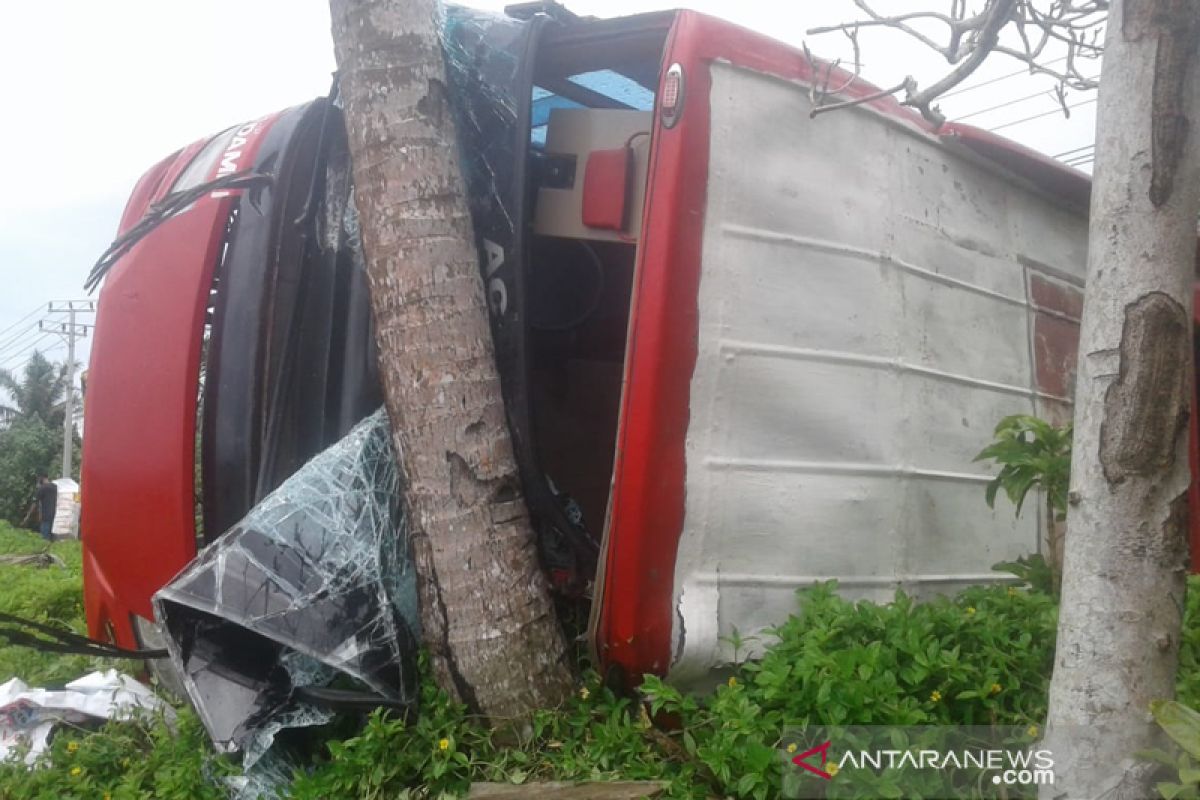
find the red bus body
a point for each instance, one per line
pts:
(142, 389)
(139, 499)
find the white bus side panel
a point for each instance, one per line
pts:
(864, 324)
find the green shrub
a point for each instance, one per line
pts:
(597, 735)
(1182, 725)
(1178, 719)
(982, 658)
(27, 447)
(1034, 453)
(1031, 453)
(122, 761)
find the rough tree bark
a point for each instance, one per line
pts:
(1127, 530)
(487, 618)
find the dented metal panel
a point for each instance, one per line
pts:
(856, 347)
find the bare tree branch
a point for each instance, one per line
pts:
(971, 37)
(906, 84)
(819, 90)
(892, 22)
(996, 17)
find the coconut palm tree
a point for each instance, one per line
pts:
(38, 393)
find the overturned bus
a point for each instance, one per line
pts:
(742, 349)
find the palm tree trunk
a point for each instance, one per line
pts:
(488, 621)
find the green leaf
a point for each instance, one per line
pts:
(1031, 453)
(1169, 791)
(890, 791)
(990, 493)
(1181, 723)
(1157, 756)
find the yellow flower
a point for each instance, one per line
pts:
(997, 688)
(75, 772)
(970, 611)
(1032, 730)
(832, 769)
(1012, 591)
(791, 748)
(584, 694)
(935, 696)
(443, 744)
(732, 682)
(72, 747)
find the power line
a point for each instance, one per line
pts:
(37, 309)
(12, 337)
(52, 307)
(33, 346)
(20, 339)
(999, 106)
(1084, 153)
(1068, 153)
(18, 364)
(1089, 101)
(981, 84)
(12, 357)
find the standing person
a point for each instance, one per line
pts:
(45, 502)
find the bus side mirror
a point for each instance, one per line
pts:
(606, 182)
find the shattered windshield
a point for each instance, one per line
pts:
(315, 584)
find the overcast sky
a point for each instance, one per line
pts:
(98, 92)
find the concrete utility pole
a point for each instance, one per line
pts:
(70, 330)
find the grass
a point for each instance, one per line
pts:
(51, 594)
(116, 761)
(982, 657)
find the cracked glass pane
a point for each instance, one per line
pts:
(314, 586)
